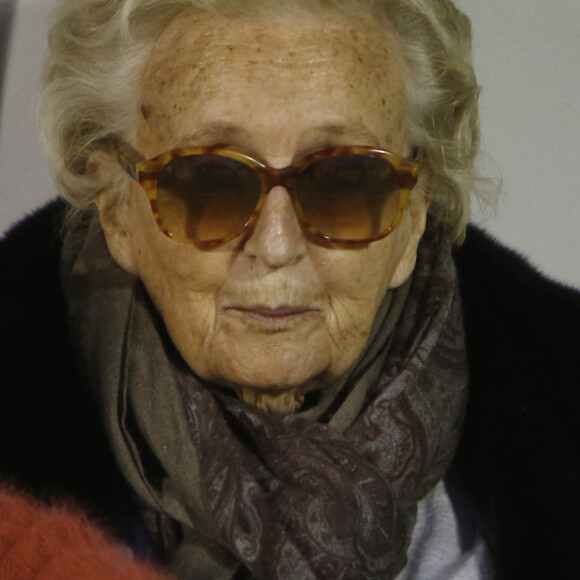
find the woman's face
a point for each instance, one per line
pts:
(271, 312)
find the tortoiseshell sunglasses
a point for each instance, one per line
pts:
(210, 195)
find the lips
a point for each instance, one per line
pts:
(269, 315)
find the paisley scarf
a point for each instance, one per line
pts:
(229, 490)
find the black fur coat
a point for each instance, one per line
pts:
(519, 459)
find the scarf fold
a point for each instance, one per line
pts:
(328, 492)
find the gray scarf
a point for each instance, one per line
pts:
(328, 492)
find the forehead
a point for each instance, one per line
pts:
(318, 71)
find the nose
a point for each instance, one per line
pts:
(277, 239)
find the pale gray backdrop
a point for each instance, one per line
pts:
(527, 56)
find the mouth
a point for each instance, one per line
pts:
(269, 316)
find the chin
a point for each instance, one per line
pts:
(276, 361)
(277, 394)
(274, 379)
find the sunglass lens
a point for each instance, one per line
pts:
(206, 197)
(350, 197)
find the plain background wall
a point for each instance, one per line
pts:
(527, 57)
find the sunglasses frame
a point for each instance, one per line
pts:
(146, 173)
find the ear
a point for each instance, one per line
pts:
(113, 212)
(417, 210)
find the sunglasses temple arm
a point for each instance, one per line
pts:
(127, 156)
(129, 169)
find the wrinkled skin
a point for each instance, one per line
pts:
(272, 313)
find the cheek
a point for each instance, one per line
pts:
(186, 298)
(184, 284)
(166, 267)
(360, 277)
(354, 295)
(356, 282)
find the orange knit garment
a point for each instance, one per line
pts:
(39, 542)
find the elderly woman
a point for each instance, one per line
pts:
(257, 286)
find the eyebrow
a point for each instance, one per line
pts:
(353, 129)
(230, 132)
(217, 130)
